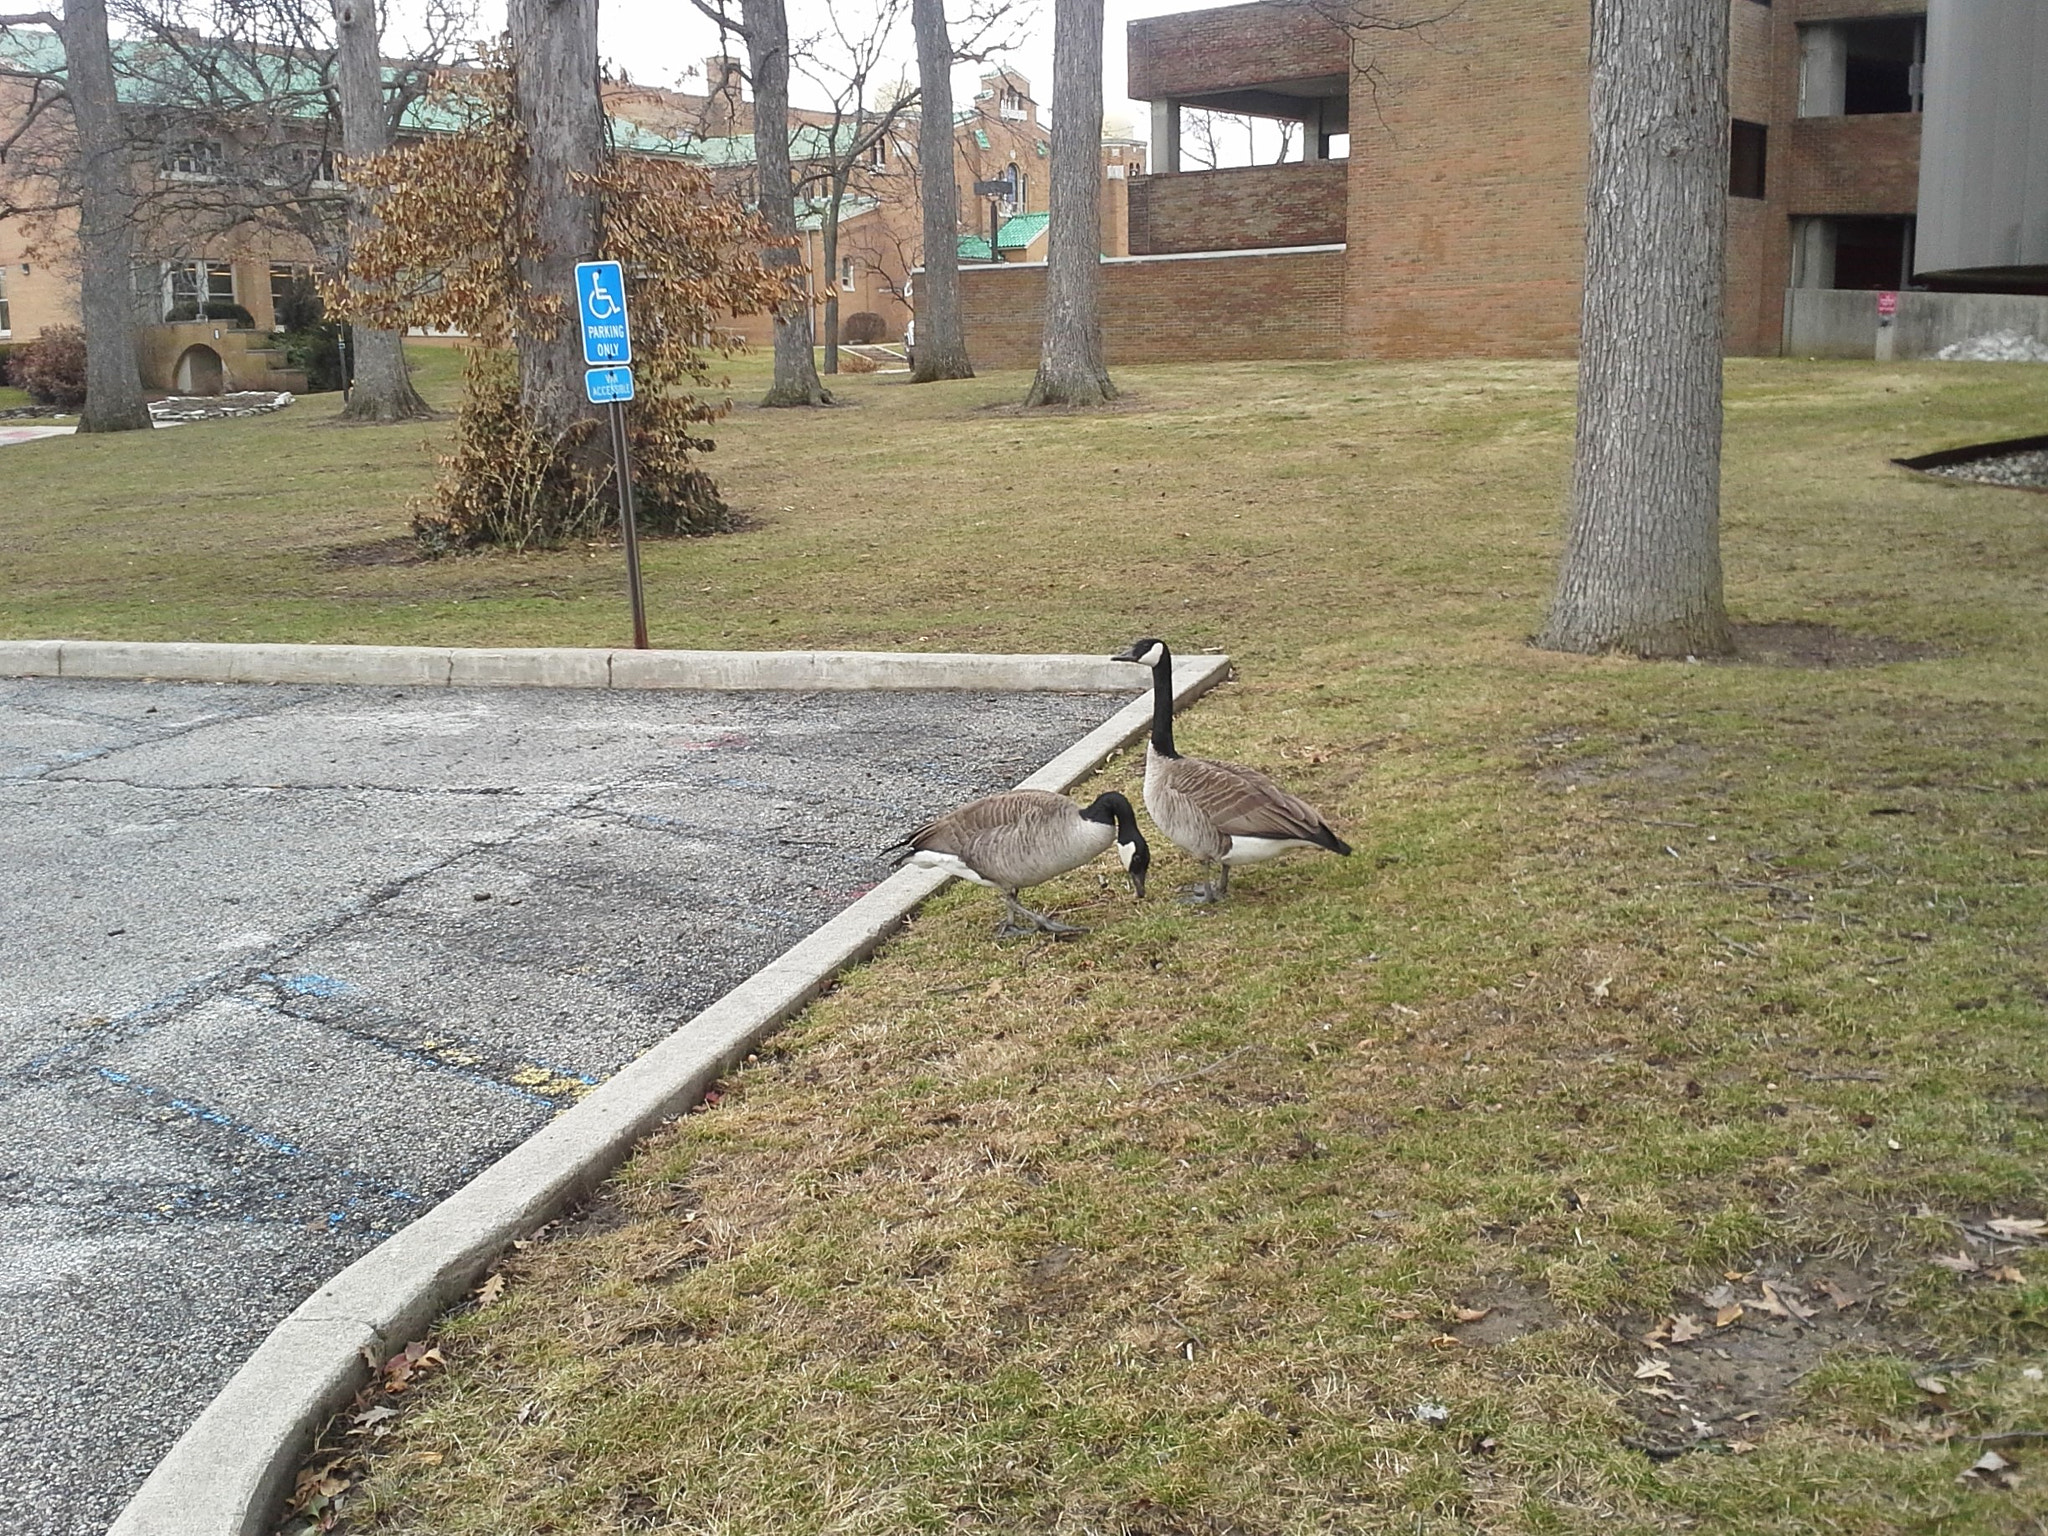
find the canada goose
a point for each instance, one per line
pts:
(1025, 836)
(1219, 813)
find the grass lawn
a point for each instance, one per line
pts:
(1659, 1000)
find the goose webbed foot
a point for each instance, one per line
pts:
(1021, 920)
(1206, 893)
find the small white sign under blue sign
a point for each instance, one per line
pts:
(604, 385)
(601, 301)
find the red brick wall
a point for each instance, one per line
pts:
(1233, 47)
(1239, 209)
(1467, 188)
(1854, 165)
(1169, 309)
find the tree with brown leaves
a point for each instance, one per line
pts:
(456, 249)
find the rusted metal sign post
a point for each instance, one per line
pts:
(608, 381)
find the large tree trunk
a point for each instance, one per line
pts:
(767, 33)
(941, 350)
(1642, 560)
(554, 63)
(383, 390)
(1070, 366)
(106, 215)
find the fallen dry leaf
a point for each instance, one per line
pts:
(1991, 1469)
(1658, 1336)
(492, 1288)
(2007, 1275)
(1786, 1302)
(1961, 1263)
(1404, 1315)
(1685, 1328)
(1934, 1386)
(2031, 1228)
(1600, 987)
(1842, 1299)
(1768, 1302)
(1653, 1370)
(1472, 1314)
(1741, 1447)
(1727, 1315)
(376, 1415)
(1720, 1296)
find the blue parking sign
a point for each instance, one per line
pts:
(604, 385)
(601, 301)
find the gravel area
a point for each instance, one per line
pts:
(2028, 469)
(284, 966)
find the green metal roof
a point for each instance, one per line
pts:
(1018, 232)
(147, 73)
(810, 212)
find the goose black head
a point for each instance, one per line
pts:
(1131, 847)
(1146, 652)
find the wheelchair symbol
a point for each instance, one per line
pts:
(599, 304)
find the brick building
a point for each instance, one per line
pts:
(1437, 208)
(251, 263)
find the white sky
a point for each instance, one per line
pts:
(658, 41)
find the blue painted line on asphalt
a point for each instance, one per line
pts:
(208, 1115)
(417, 1055)
(308, 984)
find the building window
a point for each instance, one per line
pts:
(1012, 108)
(316, 164)
(291, 284)
(1116, 170)
(846, 274)
(1856, 68)
(195, 157)
(186, 283)
(6, 315)
(1746, 159)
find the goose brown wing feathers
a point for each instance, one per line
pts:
(1242, 802)
(965, 828)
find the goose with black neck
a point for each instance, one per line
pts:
(1220, 814)
(1023, 837)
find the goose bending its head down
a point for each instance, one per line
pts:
(1020, 838)
(1219, 813)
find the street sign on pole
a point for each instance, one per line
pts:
(601, 302)
(1000, 187)
(608, 381)
(603, 386)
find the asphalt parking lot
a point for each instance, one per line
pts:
(282, 966)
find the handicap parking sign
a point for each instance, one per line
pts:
(604, 385)
(601, 301)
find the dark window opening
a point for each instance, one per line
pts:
(1746, 158)
(1882, 70)
(1873, 253)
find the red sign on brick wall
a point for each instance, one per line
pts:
(1887, 305)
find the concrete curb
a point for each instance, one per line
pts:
(423, 666)
(228, 1473)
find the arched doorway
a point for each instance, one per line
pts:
(199, 372)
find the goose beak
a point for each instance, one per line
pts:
(1132, 653)
(1138, 883)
